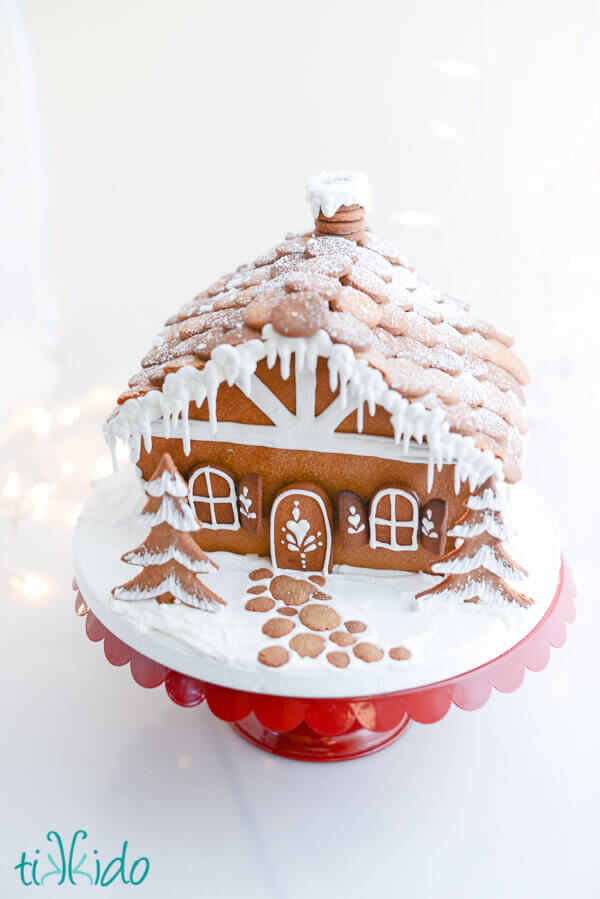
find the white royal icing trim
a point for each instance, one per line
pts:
(487, 500)
(485, 557)
(170, 554)
(487, 594)
(176, 514)
(490, 524)
(392, 522)
(167, 484)
(212, 501)
(358, 384)
(170, 584)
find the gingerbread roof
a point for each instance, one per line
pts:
(356, 292)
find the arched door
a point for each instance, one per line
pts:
(301, 529)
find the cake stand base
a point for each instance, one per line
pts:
(306, 745)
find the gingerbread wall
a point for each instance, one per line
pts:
(331, 472)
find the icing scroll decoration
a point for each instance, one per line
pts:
(434, 520)
(301, 529)
(298, 536)
(353, 520)
(250, 503)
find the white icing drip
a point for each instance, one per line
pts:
(167, 484)
(171, 553)
(176, 514)
(490, 524)
(485, 557)
(170, 584)
(328, 191)
(358, 383)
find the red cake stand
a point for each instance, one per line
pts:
(329, 730)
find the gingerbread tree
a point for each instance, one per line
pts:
(477, 569)
(171, 559)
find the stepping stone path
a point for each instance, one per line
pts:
(315, 624)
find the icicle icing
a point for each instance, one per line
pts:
(358, 383)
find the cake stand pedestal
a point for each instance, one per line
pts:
(328, 730)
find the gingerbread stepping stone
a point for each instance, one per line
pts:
(320, 618)
(318, 594)
(258, 589)
(260, 604)
(400, 653)
(260, 574)
(342, 639)
(287, 610)
(317, 579)
(290, 590)
(355, 627)
(310, 645)
(368, 652)
(277, 627)
(273, 656)
(339, 659)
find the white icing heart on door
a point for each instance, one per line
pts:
(299, 529)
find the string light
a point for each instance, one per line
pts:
(72, 515)
(102, 467)
(12, 486)
(122, 452)
(41, 422)
(38, 496)
(68, 415)
(31, 585)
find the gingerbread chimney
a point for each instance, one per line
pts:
(339, 201)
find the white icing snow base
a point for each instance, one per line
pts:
(445, 638)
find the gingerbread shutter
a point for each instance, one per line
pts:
(434, 526)
(353, 520)
(250, 502)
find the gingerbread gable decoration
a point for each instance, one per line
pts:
(325, 405)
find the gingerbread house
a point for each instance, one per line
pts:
(327, 406)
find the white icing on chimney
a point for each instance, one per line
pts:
(327, 191)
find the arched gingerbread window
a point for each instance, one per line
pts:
(394, 520)
(213, 497)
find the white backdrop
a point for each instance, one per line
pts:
(181, 135)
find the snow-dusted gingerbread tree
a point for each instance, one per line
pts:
(171, 559)
(477, 569)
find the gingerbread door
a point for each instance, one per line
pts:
(301, 529)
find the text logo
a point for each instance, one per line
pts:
(72, 862)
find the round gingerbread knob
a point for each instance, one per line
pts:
(338, 202)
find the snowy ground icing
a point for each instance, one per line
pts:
(444, 638)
